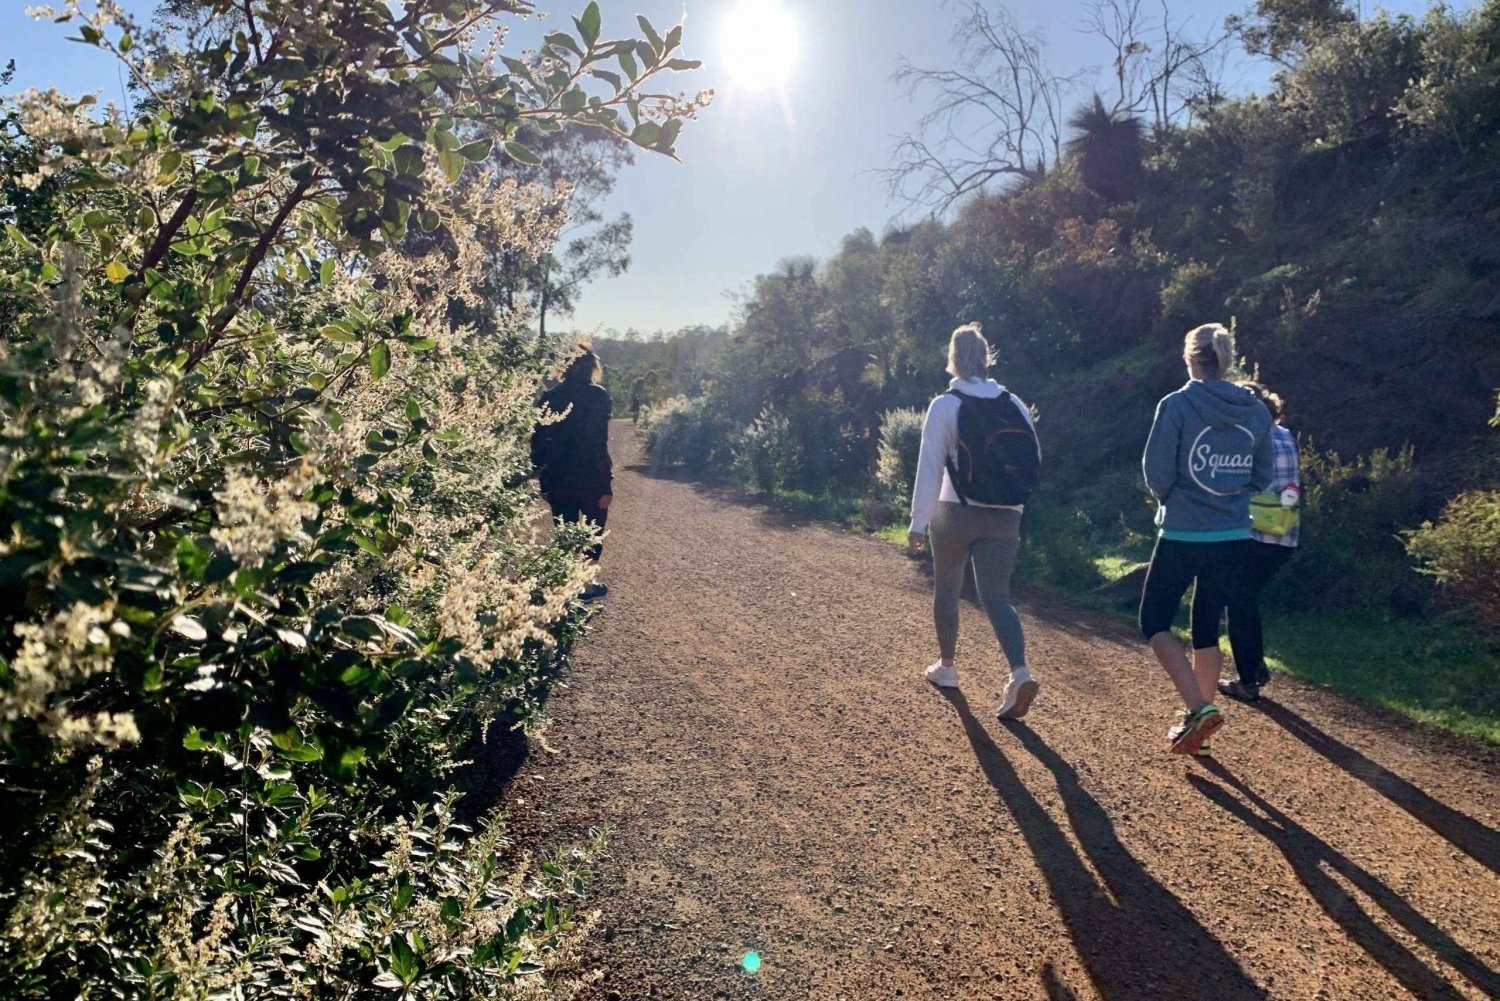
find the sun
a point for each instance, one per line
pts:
(759, 44)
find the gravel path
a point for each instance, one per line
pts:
(750, 716)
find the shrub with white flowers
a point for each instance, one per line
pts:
(266, 554)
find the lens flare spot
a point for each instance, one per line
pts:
(751, 962)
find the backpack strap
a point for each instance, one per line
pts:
(953, 476)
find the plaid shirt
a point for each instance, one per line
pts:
(1284, 472)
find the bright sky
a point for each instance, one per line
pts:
(768, 171)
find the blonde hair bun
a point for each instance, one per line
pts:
(1211, 346)
(969, 354)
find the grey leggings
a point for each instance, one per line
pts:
(989, 538)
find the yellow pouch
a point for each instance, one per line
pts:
(1269, 517)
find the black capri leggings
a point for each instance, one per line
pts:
(1176, 565)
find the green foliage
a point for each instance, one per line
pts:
(266, 562)
(1108, 150)
(1286, 29)
(1456, 98)
(1350, 554)
(768, 455)
(1056, 550)
(1349, 82)
(683, 432)
(900, 446)
(1461, 551)
(645, 371)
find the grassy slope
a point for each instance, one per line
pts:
(1435, 670)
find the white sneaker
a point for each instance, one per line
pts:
(1018, 697)
(942, 675)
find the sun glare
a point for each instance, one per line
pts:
(759, 44)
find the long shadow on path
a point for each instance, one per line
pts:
(1135, 937)
(1474, 839)
(1314, 861)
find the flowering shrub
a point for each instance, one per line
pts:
(680, 431)
(768, 456)
(1462, 552)
(265, 556)
(900, 447)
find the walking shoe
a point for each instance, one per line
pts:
(593, 592)
(942, 675)
(1018, 697)
(1188, 736)
(1237, 689)
(1204, 751)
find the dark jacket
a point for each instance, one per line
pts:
(571, 456)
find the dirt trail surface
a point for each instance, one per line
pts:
(749, 713)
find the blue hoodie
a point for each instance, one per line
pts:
(1209, 449)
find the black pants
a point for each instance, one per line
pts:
(1218, 568)
(1246, 637)
(573, 508)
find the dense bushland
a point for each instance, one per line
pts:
(268, 561)
(1344, 218)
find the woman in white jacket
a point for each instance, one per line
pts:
(986, 535)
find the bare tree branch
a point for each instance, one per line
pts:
(997, 114)
(1158, 67)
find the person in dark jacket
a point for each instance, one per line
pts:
(571, 456)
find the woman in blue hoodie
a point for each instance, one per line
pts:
(1209, 449)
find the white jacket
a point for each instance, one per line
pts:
(940, 443)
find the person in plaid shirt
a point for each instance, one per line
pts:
(1269, 554)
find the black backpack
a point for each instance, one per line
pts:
(997, 458)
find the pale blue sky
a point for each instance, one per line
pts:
(760, 179)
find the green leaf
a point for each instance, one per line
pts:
(380, 360)
(294, 748)
(646, 134)
(476, 151)
(326, 271)
(613, 79)
(521, 154)
(368, 545)
(668, 137)
(409, 160)
(292, 638)
(339, 332)
(452, 163)
(589, 23)
(563, 40)
(188, 628)
(627, 63)
(684, 64)
(650, 33)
